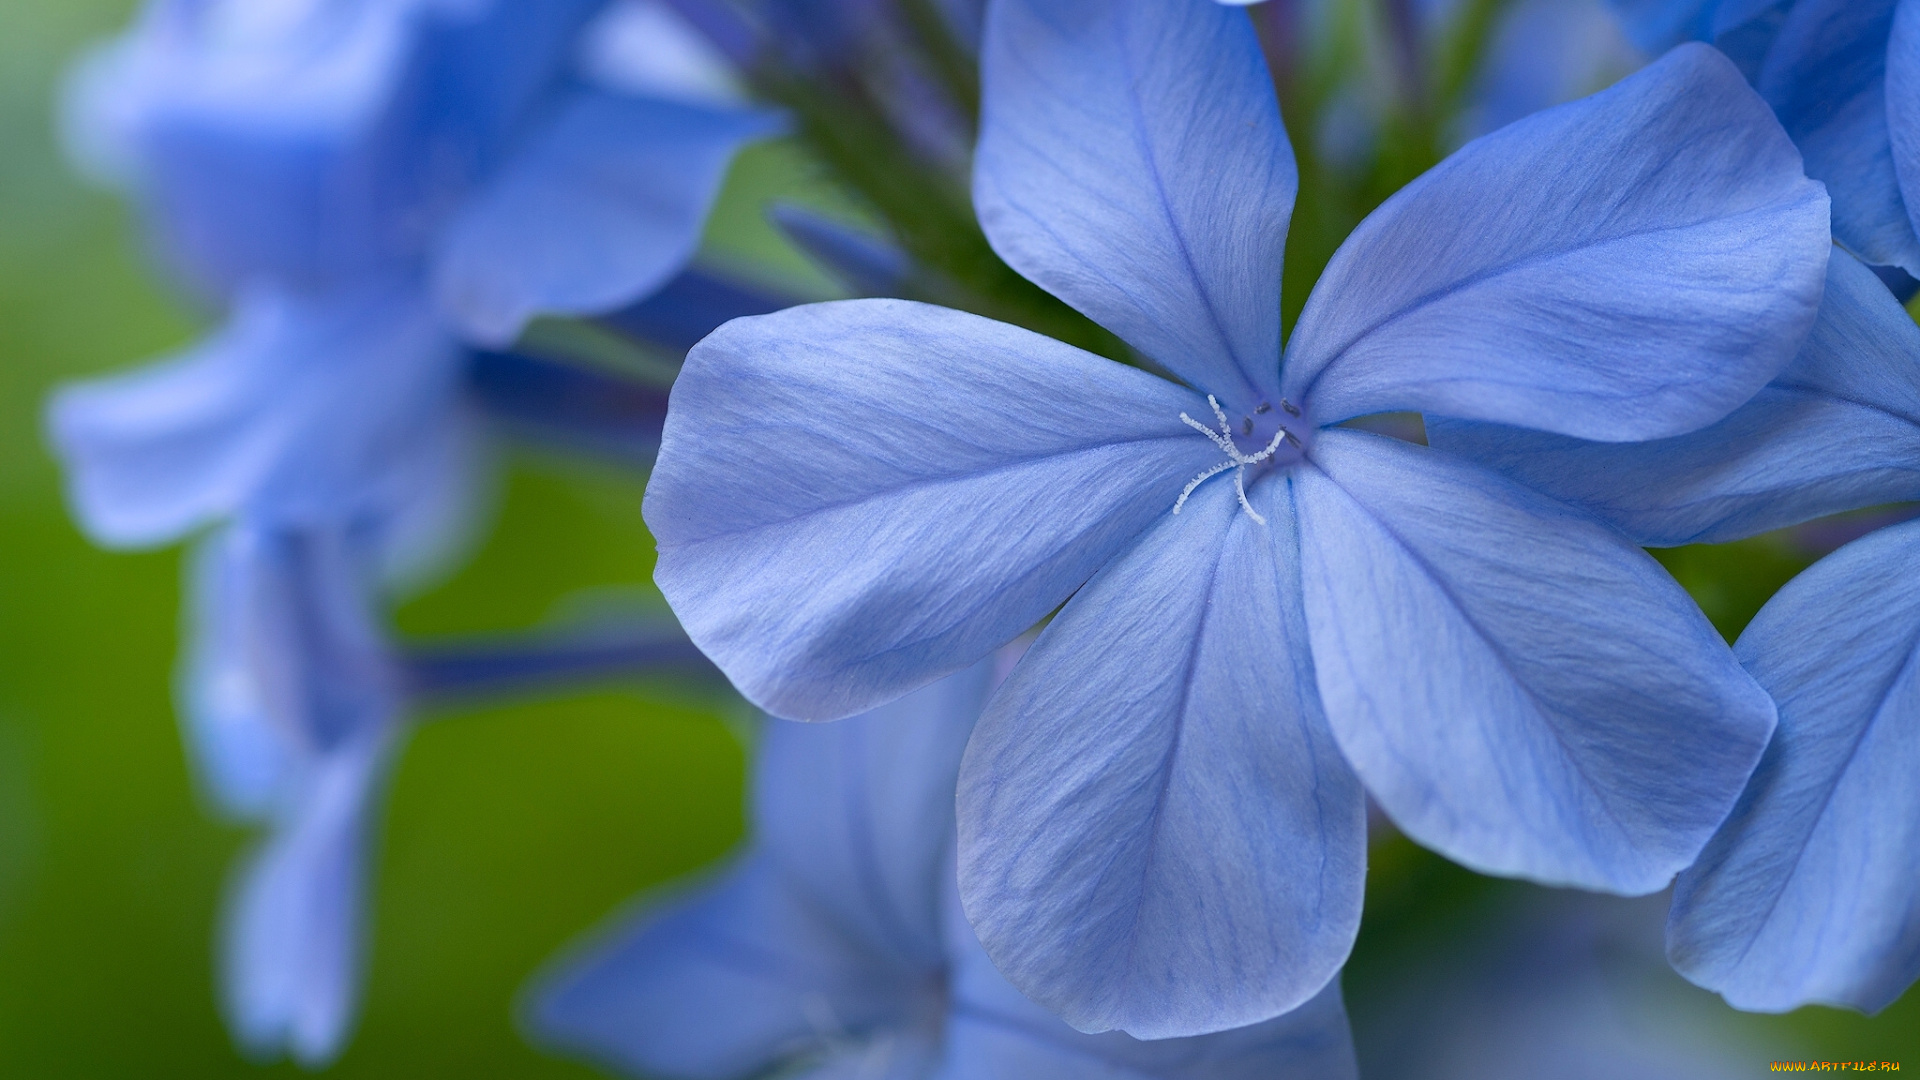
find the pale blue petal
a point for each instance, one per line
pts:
(994, 1030)
(603, 205)
(1826, 77)
(1157, 833)
(858, 814)
(854, 499)
(286, 663)
(736, 980)
(1811, 891)
(301, 409)
(1519, 687)
(1132, 162)
(292, 948)
(1838, 430)
(1471, 293)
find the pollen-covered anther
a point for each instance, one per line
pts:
(1236, 459)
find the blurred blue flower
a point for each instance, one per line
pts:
(1545, 984)
(1844, 78)
(365, 187)
(1543, 53)
(1161, 814)
(834, 946)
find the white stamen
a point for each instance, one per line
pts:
(1240, 489)
(1235, 459)
(1198, 480)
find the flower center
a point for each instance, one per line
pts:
(1266, 439)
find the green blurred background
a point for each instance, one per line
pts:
(510, 829)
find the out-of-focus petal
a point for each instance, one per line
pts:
(332, 409)
(854, 499)
(862, 262)
(1838, 430)
(603, 205)
(1157, 833)
(1659, 25)
(1903, 106)
(858, 814)
(1518, 686)
(292, 948)
(1826, 77)
(1132, 162)
(994, 1030)
(286, 663)
(739, 978)
(1471, 293)
(1811, 891)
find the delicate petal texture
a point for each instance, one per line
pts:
(286, 662)
(1676, 188)
(996, 1031)
(1838, 430)
(1157, 833)
(1519, 687)
(1811, 891)
(1132, 162)
(300, 408)
(853, 499)
(602, 206)
(293, 936)
(859, 814)
(1903, 106)
(734, 980)
(1826, 77)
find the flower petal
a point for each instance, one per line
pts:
(286, 665)
(1838, 430)
(1827, 79)
(858, 814)
(1808, 894)
(1521, 689)
(332, 407)
(994, 1030)
(737, 979)
(1471, 293)
(293, 940)
(1133, 163)
(1156, 831)
(1902, 92)
(854, 499)
(603, 206)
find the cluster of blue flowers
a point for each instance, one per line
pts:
(1124, 601)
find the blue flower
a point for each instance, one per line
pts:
(1844, 78)
(1808, 893)
(366, 189)
(834, 945)
(1161, 813)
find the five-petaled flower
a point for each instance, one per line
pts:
(1161, 814)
